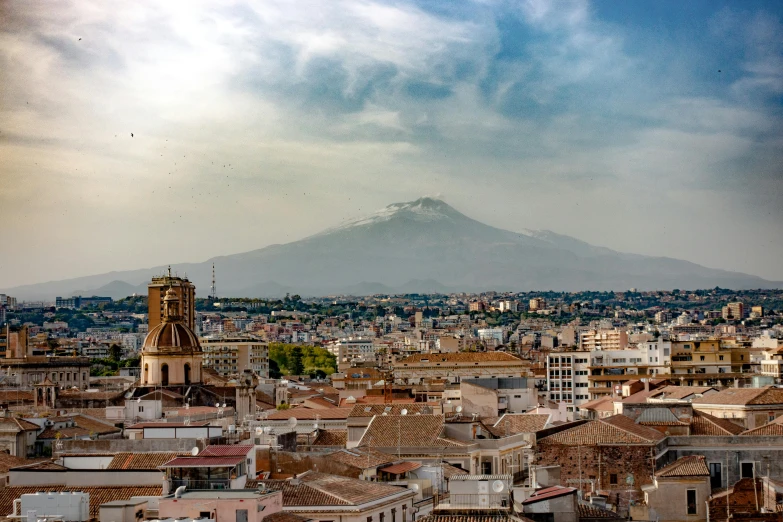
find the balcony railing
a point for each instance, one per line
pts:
(488, 501)
(201, 484)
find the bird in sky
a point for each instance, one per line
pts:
(131, 134)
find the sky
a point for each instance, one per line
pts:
(135, 134)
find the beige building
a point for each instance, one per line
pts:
(186, 297)
(678, 493)
(171, 355)
(603, 340)
(233, 354)
(454, 367)
(747, 407)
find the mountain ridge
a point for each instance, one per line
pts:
(424, 240)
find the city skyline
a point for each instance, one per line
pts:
(646, 129)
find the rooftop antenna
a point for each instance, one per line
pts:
(213, 288)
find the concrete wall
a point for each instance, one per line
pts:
(668, 502)
(77, 478)
(223, 509)
(135, 446)
(477, 399)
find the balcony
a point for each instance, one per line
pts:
(200, 484)
(472, 501)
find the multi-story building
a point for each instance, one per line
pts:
(567, 377)
(184, 290)
(709, 362)
(348, 349)
(233, 354)
(614, 339)
(537, 303)
(734, 311)
(453, 367)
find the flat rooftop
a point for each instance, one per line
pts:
(223, 493)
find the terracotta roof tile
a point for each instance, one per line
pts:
(11, 461)
(706, 424)
(690, 466)
(98, 494)
(617, 429)
(331, 438)
(228, 450)
(772, 428)
(284, 516)
(361, 457)
(371, 410)
(512, 424)
(387, 431)
(308, 414)
(319, 489)
(473, 517)
(140, 460)
(587, 510)
(743, 396)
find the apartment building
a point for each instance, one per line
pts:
(709, 362)
(567, 377)
(614, 339)
(233, 354)
(347, 349)
(453, 367)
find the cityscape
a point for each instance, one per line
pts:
(391, 261)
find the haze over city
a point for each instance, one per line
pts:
(140, 134)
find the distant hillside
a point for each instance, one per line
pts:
(421, 246)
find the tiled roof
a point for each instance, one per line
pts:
(14, 396)
(93, 425)
(227, 450)
(588, 510)
(743, 397)
(371, 410)
(192, 424)
(65, 433)
(682, 392)
(511, 424)
(98, 494)
(11, 461)
(402, 467)
(461, 357)
(547, 493)
(323, 402)
(319, 489)
(473, 517)
(331, 438)
(386, 431)
(772, 428)
(140, 460)
(17, 424)
(617, 429)
(361, 457)
(449, 470)
(308, 414)
(605, 403)
(690, 466)
(284, 516)
(706, 424)
(42, 464)
(659, 417)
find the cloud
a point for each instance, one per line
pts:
(320, 109)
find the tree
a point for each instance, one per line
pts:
(115, 352)
(296, 367)
(274, 370)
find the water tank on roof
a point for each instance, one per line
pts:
(71, 507)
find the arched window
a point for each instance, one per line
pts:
(187, 373)
(146, 373)
(164, 375)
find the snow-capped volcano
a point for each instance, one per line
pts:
(421, 246)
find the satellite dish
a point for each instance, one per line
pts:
(458, 409)
(268, 430)
(414, 487)
(138, 400)
(292, 422)
(224, 404)
(194, 451)
(498, 486)
(259, 431)
(315, 426)
(404, 411)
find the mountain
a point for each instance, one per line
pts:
(421, 246)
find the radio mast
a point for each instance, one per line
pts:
(213, 288)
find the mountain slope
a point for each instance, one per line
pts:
(424, 242)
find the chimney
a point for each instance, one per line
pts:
(646, 384)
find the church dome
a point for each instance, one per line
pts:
(172, 335)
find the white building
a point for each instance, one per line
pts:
(566, 376)
(349, 348)
(232, 354)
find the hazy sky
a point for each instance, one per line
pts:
(649, 127)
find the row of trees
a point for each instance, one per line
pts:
(294, 359)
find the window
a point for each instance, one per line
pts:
(720, 357)
(701, 358)
(746, 469)
(613, 479)
(716, 475)
(771, 416)
(394, 515)
(141, 409)
(381, 516)
(690, 501)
